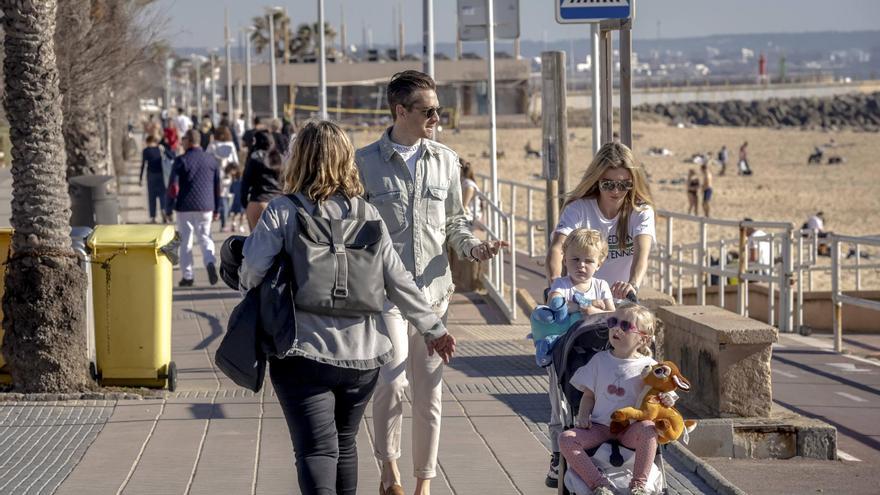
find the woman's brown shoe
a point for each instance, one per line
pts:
(391, 490)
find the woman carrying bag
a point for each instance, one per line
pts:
(326, 378)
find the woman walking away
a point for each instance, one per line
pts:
(614, 198)
(612, 380)
(223, 149)
(324, 382)
(262, 175)
(472, 203)
(151, 161)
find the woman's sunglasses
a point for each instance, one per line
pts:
(626, 326)
(620, 185)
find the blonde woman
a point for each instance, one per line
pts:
(326, 379)
(614, 198)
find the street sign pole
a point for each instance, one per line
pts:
(596, 86)
(428, 40)
(322, 65)
(493, 145)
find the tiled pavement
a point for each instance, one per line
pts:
(212, 437)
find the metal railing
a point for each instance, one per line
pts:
(531, 223)
(500, 226)
(838, 298)
(669, 266)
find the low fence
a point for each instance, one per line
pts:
(726, 252)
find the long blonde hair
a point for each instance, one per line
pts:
(321, 163)
(615, 155)
(644, 320)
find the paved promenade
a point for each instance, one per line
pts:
(213, 437)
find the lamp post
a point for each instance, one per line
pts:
(428, 29)
(248, 107)
(198, 60)
(273, 90)
(214, 87)
(229, 106)
(322, 65)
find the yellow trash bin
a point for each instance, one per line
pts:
(5, 250)
(132, 284)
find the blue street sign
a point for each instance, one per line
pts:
(585, 11)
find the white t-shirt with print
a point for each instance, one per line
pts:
(409, 154)
(585, 213)
(598, 290)
(615, 382)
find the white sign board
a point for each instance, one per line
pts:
(472, 20)
(585, 11)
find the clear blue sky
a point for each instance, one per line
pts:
(199, 23)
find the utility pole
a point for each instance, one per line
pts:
(198, 60)
(273, 90)
(322, 65)
(214, 86)
(248, 107)
(428, 29)
(229, 104)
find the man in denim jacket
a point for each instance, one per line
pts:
(414, 183)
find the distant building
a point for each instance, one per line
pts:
(360, 86)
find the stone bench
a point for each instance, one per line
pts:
(725, 356)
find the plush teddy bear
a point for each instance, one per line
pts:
(660, 378)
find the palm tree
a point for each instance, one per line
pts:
(44, 306)
(260, 34)
(305, 42)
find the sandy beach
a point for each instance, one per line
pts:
(783, 188)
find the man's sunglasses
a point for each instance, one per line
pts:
(626, 326)
(620, 185)
(430, 112)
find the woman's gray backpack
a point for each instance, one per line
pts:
(337, 263)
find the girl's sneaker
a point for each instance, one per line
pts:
(637, 490)
(552, 479)
(603, 490)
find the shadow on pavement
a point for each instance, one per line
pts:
(216, 328)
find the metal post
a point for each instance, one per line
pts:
(555, 120)
(722, 279)
(428, 29)
(493, 144)
(167, 103)
(607, 75)
(800, 284)
(214, 88)
(680, 271)
(837, 315)
(322, 65)
(625, 42)
(701, 281)
(596, 91)
(668, 255)
(785, 294)
(273, 90)
(230, 110)
(199, 82)
(248, 107)
(742, 286)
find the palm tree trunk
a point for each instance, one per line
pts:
(44, 301)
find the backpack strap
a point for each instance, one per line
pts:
(340, 286)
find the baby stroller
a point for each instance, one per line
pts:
(573, 350)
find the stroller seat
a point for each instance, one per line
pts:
(616, 461)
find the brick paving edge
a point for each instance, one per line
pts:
(49, 397)
(702, 469)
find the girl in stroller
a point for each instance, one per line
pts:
(611, 380)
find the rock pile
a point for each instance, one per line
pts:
(852, 111)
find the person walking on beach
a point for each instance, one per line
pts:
(414, 183)
(723, 156)
(151, 162)
(195, 186)
(743, 167)
(706, 186)
(693, 189)
(326, 379)
(614, 198)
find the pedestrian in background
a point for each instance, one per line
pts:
(151, 162)
(706, 187)
(195, 186)
(262, 177)
(693, 189)
(723, 156)
(223, 149)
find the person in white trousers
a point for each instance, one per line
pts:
(194, 185)
(414, 183)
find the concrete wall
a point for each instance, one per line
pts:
(725, 356)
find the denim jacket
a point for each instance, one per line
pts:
(423, 214)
